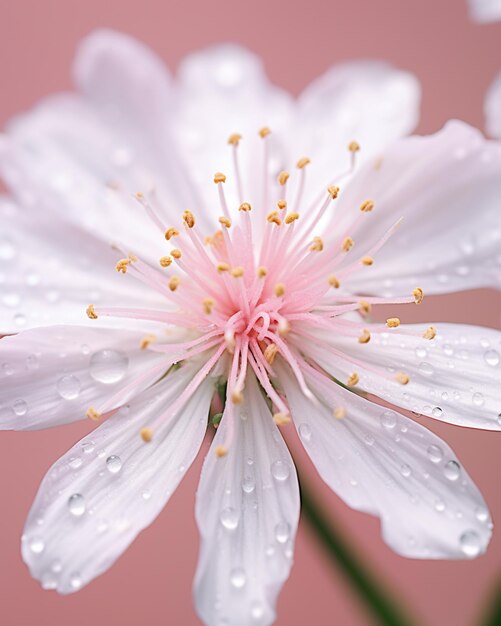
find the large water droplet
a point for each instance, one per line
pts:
(436, 411)
(76, 505)
(248, 484)
(282, 532)
(435, 454)
(37, 545)
(238, 577)
(470, 543)
(452, 470)
(68, 387)
(491, 357)
(305, 432)
(280, 470)
(482, 514)
(229, 518)
(114, 464)
(20, 407)
(389, 419)
(108, 366)
(426, 369)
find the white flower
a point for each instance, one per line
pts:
(484, 11)
(276, 303)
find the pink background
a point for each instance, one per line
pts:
(151, 584)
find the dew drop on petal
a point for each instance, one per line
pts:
(248, 484)
(421, 352)
(436, 411)
(491, 357)
(20, 407)
(68, 387)
(282, 532)
(37, 545)
(439, 506)
(48, 581)
(305, 432)
(426, 369)
(257, 611)
(75, 580)
(75, 462)
(405, 470)
(108, 366)
(435, 453)
(229, 518)
(280, 470)
(238, 577)
(452, 470)
(477, 399)
(482, 514)
(76, 505)
(389, 419)
(470, 543)
(114, 464)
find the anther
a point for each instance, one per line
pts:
(91, 313)
(364, 307)
(339, 412)
(245, 206)
(282, 204)
(264, 132)
(270, 353)
(354, 146)
(430, 333)
(225, 221)
(165, 261)
(176, 253)
(291, 217)
(237, 272)
(353, 380)
(273, 218)
(365, 337)
(219, 177)
(281, 419)
(208, 305)
(279, 290)
(121, 266)
(139, 195)
(221, 451)
(402, 378)
(334, 282)
(189, 219)
(418, 294)
(145, 341)
(317, 245)
(223, 267)
(146, 434)
(367, 260)
(367, 206)
(333, 191)
(234, 139)
(347, 244)
(283, 177)
(92, 414)
(261, 271)
(303, 163)
(171, 232)
(174, 283)
(392, 322)
(237, 397)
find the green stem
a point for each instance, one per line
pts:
(493, 617)
(383, 607)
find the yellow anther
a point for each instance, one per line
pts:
(270, 353)
(208, 305)
(176, 253)
(121, 266)
(245, 206)
(219, 177)
(221, 451)
(347, 244)
(234, 139)
(283, 177)
(264, 132)
(282, 204)
(261, 271)
(273, 218)
(146, 434)
(334, 282)
(145, 341)
(402, 378)
(317, 245)
(392, 322)
(354, 146)
(303, 163)
(365, 337)
(208, 240)
(367, 206)
(92, 414)
(430, 333)
(279, 290)
(339, 412)
(132, 258)
(189, 219)
(353, 380)
(291, 217)
(237, 272)
(237, 397)
(225, 221)
(139, 195)
(367, 260)
(171, 232)
(223, 267)
(418, 294)
(333, 191)
(174, 283)
(165, 261)
(281, 419)
(91, 313)
(364, 307)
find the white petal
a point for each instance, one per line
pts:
(493, 107)
(446, 188)
(485, 10)
(91, 505)
(455, 377)
(51, 376)
(383, 463)
(247, 511)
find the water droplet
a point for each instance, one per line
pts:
(435, 454)
(68, 387)
(108, 366)
(421, 352)
(492, 358)
(452, 470)
(280, 470)
(146, 495)
(248, 484)
(75, 580)
(37, 545)
(436, 411)
(56, 566)
(238, 577)
(76, 505)
(102, 526)
(426, 369)
(282, 532)
(389, 419)
(369, 440)
(470, 543)
(229, 518)
(305, 432)
(75, 462)
(7, 249)
(49, 581)
(257, 611)
(477, 399)
(405, 470)
(88, 447)
(32, 362)
(20, 407)
(482, 514)
(114, 464)
(439, 506)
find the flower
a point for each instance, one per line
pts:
(256, 271)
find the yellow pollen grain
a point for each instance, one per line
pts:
(176, 253)
(334, 282)
(354, 146)
(273, 218)
(365, 337)
(333, 191)
(347, 244)
(221, 451)
(402, 378)
(317, 245)
(189, 219)
(219, 177)
(291, 217)
(353, 380)
(283, 177)
(430, 333)
(282, 204)
(261, 271)
(91, 313)
(237, 272)
(303, 163)
(208, 305)
(222, 267)
(264, 132)
(146, 434)
(339, 412)
(121, 266)
(165, 261)
(365, 307)
(367, 260)
(174, 283)
(279, 290)
(171, 232)
(418, 294)
(92, 414)
(146, 341)
(392, 322)
(270, 353)
(234, 139)
(281, 419)
(367, 206)
(237, 397)
(245, 206)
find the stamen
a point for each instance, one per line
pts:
(221, 451)
(273, 218)
(208, 304)
(91, 313)
(333, 191)
(171, 232)
(402, 378)
(430, 333)
(121, 266)
(279, 290)
(245, 206)
(392, 322)
(223, 267)
(418, 295)
(365, 307)
(174, 283)
(317, 245)
(334, 282)
(270, 353)
(234, 139)
(339, 413)
(282, 204)
(219, 177)
(237, 272)
(303, 163)
(367, 260)
(281, 419)
(176, 253)
(365, 337)
(165, 261)
(261, 271)
(225, 221)
(264, 132)
(146, 341)
(347, 244)
(189, 219)
(146, 434)
(291, 217)
(367, 206)
(237, 397)
(353, 380)
(283, 177)
(92, 414)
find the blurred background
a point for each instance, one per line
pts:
(455, 61)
